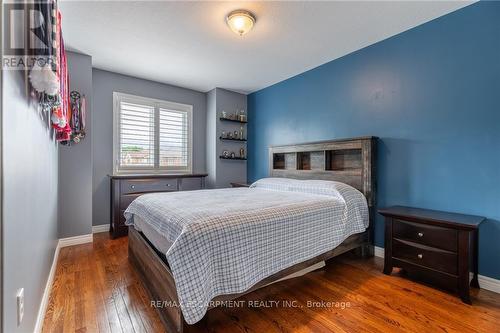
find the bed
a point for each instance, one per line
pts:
(195, 249)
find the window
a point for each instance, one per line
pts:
(151, 136)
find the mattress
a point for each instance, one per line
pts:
(224, 241)
(160, 242)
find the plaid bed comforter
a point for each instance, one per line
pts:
(226, 240)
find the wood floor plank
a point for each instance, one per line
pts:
(150, 321)
(68, 315)
(107, 286)
(404, 303)
(96, 290)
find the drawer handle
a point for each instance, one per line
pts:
(132, 186)
(420, 234)
(167, 185)
(420, 256)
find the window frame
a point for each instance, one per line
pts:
(157, 104)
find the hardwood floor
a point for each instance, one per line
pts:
(96, 290)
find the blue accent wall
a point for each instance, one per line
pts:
(432, 95)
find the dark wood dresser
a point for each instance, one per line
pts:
(438, 247)
(125, 188)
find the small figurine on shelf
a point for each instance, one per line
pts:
(225, 153)
(236, 135)
(233, 155)
(242, 152)
(223, 134)
(223, 114)
(230, 135)
(242, 116)
(242, 137)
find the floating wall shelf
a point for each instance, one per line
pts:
(228, 139)
(233, 120)
(233, 158)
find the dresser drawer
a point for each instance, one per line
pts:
(126, 199)
(437, 259)
(190, 184)
(148, 185)
(434, 236)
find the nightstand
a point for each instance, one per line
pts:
(240, 185)
(439, 247)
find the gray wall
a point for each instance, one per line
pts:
(75, 161)
(29, 201)
(223, 172)
(104, 84)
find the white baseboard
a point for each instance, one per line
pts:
(100, 228)
(46, 292)
(63, 242)
(488, 283)
(379, 252)
(82, 239)
(485, 282)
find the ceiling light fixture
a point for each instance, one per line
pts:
(240, 21)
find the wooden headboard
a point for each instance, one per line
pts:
(351, 161)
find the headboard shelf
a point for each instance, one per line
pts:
(351, 161)
(278, 161)
(304, 160)
(343, 159)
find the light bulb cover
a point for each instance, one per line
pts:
(240, 21)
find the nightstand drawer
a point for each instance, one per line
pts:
(148, 185)
(437, 259)
(434, 236)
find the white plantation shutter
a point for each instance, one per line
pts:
(175, 149)
(137, 136)
(151, 136)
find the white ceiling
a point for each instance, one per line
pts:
(188, 43)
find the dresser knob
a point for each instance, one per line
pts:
(167, 185)
(420, 234)
(420, 256)
(132, 186)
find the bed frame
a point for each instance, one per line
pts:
(351, 161)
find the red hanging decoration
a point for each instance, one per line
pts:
(62, 114)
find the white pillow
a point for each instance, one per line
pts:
(277, 184)
(322, 187)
